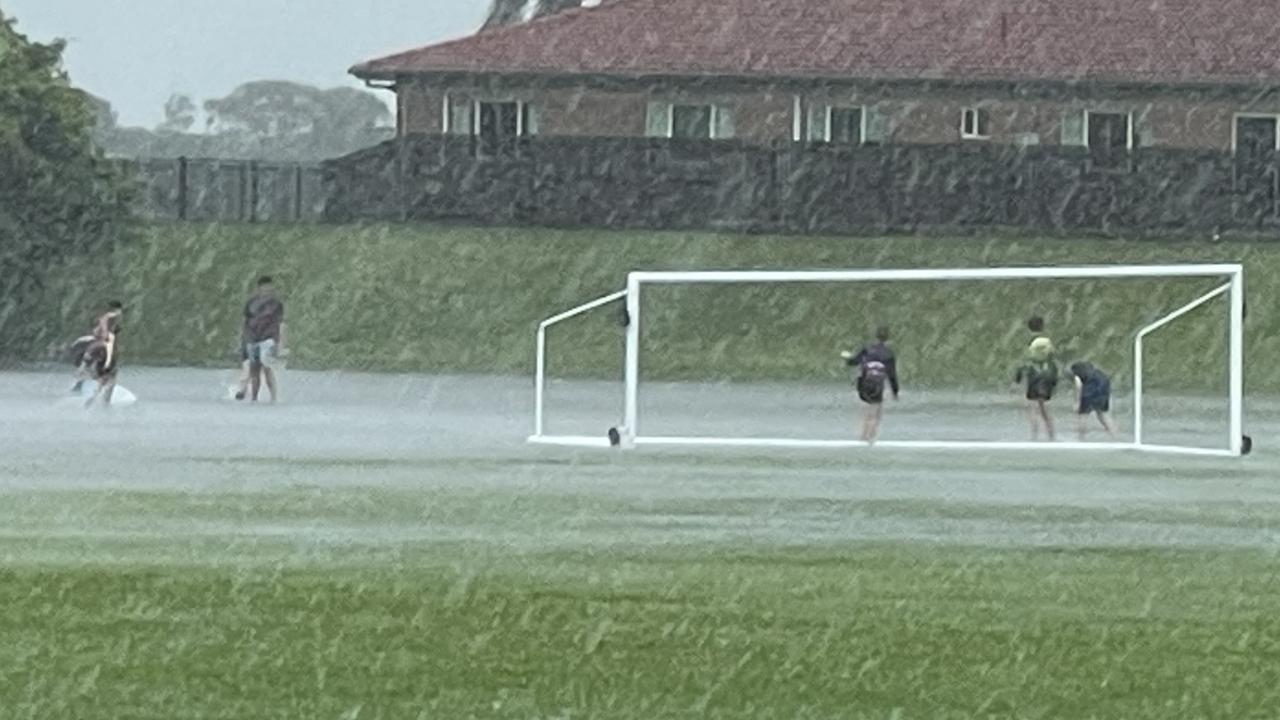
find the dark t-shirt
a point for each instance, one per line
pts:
(263, 315)
(877, 363)
(1092, 380)
(1041, 377)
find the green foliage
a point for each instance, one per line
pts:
(58, 197)
(468, 299)
(276, 108)
(179, 114)
(267, 120)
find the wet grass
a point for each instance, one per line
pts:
(311, 601)
(448, 298)
(138, 582)
(870, 631)
(529, 508)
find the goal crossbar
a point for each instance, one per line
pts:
(1085, 272)
(629, 431)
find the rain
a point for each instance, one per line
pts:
(639, 359)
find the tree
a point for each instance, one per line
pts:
(58, 195)
(348, 115)
(105, 120)
(279, 114)
(179, 114)
(272, 120)
(281, 109)
(266, 109)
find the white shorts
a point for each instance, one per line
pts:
(264, 353)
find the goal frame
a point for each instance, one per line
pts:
(628, 435)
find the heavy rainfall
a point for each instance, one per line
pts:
(640, 359)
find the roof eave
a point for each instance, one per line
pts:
(367, 72)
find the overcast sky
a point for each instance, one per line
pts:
(136, 53)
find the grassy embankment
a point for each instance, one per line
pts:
(454, 299)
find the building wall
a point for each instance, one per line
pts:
(418, 109)
(579, 112)
(765, 115)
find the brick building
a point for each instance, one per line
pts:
(1110, 75)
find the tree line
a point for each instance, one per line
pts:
(59, 195)
(63, 195)
(271, 120)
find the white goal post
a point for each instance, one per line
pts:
(628, 433)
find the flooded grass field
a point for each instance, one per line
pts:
(383, 546)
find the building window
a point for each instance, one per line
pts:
(690, 122)
(491, 120)
(847, 125)
(1109, 131)
(844, 125)
(457, 116)
(495, 125)
(1256, 136)
(1109, 136)
(498, 120)
(975, 124)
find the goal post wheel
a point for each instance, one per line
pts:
(615, 437)
(1246, 444)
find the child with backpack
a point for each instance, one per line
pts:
(1039, 374)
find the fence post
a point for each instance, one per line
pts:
(242, 191)
(182, 188)
(297, 192)
(402, 192)
(253, 191)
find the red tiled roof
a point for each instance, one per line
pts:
(1164, 41)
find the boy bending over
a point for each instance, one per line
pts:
(1093, 397)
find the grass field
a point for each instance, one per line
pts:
(385, 547)
(454, 299)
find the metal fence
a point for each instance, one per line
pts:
(211, 190)
(788, 188)
(802, 188)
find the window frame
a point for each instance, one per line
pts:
(1129, 127)
(720, 115)
(978, 113)
(473, 107)
(1235, 127)
(862, 124)
(711, 119)
(476, 115)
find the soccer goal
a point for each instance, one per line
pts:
(1141, 331)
